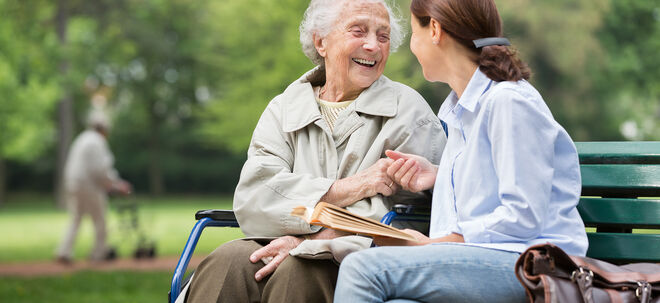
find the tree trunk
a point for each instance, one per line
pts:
(3, 180)
(65, 105)
(156, 184)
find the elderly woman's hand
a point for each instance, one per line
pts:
(277, 250)
(413, 173)
(367, 183)
(273, 254)
(374, 180)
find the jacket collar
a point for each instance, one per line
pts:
(301, 109)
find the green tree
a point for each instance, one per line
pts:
(628, 78)
(28, 88)
(187, 80)
(558, 40)
(160, 78)
(254, 45)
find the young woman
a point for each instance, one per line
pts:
(508, 177)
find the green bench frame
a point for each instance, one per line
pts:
(621, 200)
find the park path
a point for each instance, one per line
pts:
(36, 269)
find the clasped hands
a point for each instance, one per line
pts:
(411, 172)
(388, 175)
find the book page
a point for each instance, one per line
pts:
(331, 216)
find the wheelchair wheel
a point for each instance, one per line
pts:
(147, 251)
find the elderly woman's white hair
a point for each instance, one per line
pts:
(321, 16)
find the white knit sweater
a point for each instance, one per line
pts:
(330, 110)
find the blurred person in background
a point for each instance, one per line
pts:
(88, 177)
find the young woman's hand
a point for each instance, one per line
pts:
(420, 237)
(412, 172)
(387, 241)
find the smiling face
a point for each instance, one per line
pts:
(356, 50)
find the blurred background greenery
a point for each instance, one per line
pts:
(186, 80)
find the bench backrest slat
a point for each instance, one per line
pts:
(621, 180)
(633, 213)
(619, 152)
(621, 192)
(624, 247)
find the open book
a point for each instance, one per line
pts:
(331, 216)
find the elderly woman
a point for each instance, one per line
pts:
(322, 139)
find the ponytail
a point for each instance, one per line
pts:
(501, 63)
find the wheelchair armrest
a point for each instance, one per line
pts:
(411, 209)
(205, 218)
(216, 214)
(406, 212)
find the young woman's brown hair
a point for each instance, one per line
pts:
(468, 20)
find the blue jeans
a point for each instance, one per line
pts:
(431, 273)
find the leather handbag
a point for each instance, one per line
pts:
(550, 275)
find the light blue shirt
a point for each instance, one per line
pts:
(509, 176)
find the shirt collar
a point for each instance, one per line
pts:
(301, 109)
(452, 106)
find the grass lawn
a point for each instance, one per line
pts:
(107, 287)
(32, 227)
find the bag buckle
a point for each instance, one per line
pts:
(578, 273)
(643, 291)
(584, 277)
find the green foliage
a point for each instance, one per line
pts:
(28, 88)
(257, 53)
(187, 80)
(561, 40)
(630, 77)
(557, 39)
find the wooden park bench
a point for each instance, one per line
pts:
(620, 205)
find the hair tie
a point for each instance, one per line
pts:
(479, 43)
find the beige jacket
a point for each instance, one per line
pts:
(294, 158)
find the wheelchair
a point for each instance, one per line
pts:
(226, 218)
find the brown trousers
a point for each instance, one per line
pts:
(227, 275)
